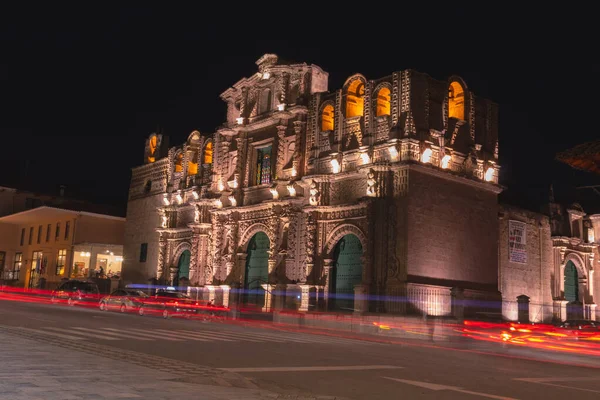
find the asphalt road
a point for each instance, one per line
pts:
(300, 362)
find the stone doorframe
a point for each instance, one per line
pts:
(242, 253)
(361, 290)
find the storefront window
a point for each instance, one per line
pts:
(61, 261)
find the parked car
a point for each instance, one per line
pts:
(76, 291)
(579, 328)
(169, 303)
(123, 300)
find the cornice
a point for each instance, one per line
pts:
(490, 187)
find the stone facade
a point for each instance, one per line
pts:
(554, 239)
(532, 278)
(386, 186)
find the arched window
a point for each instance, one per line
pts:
(456, 101)
(179, 162)
(327, 119)
(383, 102)
(264, 103)
(355, 98)
(208, 153)
(152, 144)
(193, 163)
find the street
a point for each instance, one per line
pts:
(272, 361)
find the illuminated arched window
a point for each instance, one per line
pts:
(456, 101)
(355, 98)
(153, 142)
(193, 163)
(208, 153)
(383, 102)
(327, 120)
(179, 162)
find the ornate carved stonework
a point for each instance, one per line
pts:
(371, 183)
(315, 195)
(351, 179)
(280, 150)
(309, 243)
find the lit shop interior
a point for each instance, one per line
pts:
(97, 261)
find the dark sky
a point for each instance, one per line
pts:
(82, 88)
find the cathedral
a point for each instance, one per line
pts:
(381, 195)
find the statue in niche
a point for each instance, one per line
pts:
(197, 214)
(164, 221)
(314, 194)
(371, 182)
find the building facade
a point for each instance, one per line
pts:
(42, 246)
(385, 187)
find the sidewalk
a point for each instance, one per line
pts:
(32, 370)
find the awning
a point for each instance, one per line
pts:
(585, 157)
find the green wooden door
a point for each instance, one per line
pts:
(571, 282)
(257, 268)
(348, 271)
(183, 266)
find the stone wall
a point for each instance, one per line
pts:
(452, 230)
(535, 277)
(142, 220)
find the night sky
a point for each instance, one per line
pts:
(82, 88)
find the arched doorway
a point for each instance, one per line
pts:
(257, 269)
(574, 305)
(347, 272)
(183, 267)
(571, 283)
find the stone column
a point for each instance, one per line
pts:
(591, 284)
(327, 266)
(225, 289)
(172, 274)
(268, 288)
(304, 297)
(280, 151)
(272, 263)
(194, 259)
(280, 293)
(211, 292)
(297, 157)
(361, 302)
(593, 311)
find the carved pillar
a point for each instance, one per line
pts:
(224, 160)
(367, 107)
(162, 250)
(241, 157)
(249, 159)
(225, 289)
(298, 128)
(309, 245)
(361, 303)
(268, 288)
(211, 293)
(194, 258)
(304, 297)
(280, 151)
(327, 267)
(231, 245)
(241, 262)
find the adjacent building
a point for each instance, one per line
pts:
(41, 246)
(349, 199)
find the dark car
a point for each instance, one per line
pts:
(169, 303)
(579, 328)
(76, 291)
(123, 300)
